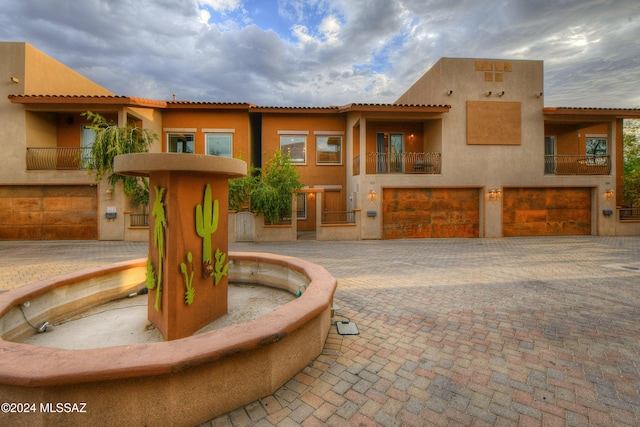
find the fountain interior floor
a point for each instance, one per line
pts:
(124, 321)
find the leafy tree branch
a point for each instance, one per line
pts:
(111, 141)
(631, 150)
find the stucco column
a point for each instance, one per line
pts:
(188, 236)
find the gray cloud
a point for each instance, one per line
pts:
(374, 52)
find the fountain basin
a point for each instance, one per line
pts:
(181, 382)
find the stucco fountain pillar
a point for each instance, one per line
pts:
(188, 239)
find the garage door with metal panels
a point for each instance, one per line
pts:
(546, 212)
(430, 212)
(48, 212)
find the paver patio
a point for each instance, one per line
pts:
(518, 331)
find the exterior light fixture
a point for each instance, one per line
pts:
(108, 195)
(538, 95)
(15, 80)
(449, 92)
(372, 195)
(608, 194)
(312, 196)
(488, 93)
(495, 194)
(500, 93)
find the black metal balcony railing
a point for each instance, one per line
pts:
(403, 163)
(577, 165)
(139, 220)
(57, 158)
(630, 214)
(343, 217)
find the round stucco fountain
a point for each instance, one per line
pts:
(186, 379)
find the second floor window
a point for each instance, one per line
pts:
(219, 144)
(180, 143)
(596, 149)
(328, 150)
(596, 146)
(295, 146)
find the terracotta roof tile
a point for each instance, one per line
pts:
(619, 112)
(85, 99)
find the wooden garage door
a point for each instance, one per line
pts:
(546, 212)
(430, 212)
(48, 212)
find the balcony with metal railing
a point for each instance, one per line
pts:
(57, 158)
(577, 165)
(403, 163)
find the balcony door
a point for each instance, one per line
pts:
(381, 150)
(396, 150)
(390, 149)
(550, 154)
(88, 139)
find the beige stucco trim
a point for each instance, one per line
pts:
(217, 130)
(293, 132)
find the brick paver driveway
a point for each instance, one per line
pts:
(518, 331)
(525, 331)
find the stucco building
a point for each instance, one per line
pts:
(469, 150)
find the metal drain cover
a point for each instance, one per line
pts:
(347, 328)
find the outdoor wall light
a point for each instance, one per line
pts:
(608, 194)
(449, 92)
(495, 194)
(500, 93)
(372, 195)
(488, 93)
(15, 80)
(312, 196)
(538, 95)
(108, 195)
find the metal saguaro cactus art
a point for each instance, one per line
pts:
(206, 225)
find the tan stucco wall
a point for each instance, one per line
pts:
(45, 75)
(61, 126)
(12, 118)
(36, 73)
(486, 166)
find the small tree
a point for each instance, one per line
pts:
(269, 189)
(110, 141)
(240, 190)
(631, 183)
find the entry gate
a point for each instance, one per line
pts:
(244, 226)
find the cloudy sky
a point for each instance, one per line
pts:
(330, 52)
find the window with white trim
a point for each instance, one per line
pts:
(219, 144)
(181, 143)
(295, 146)
(328, 149)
